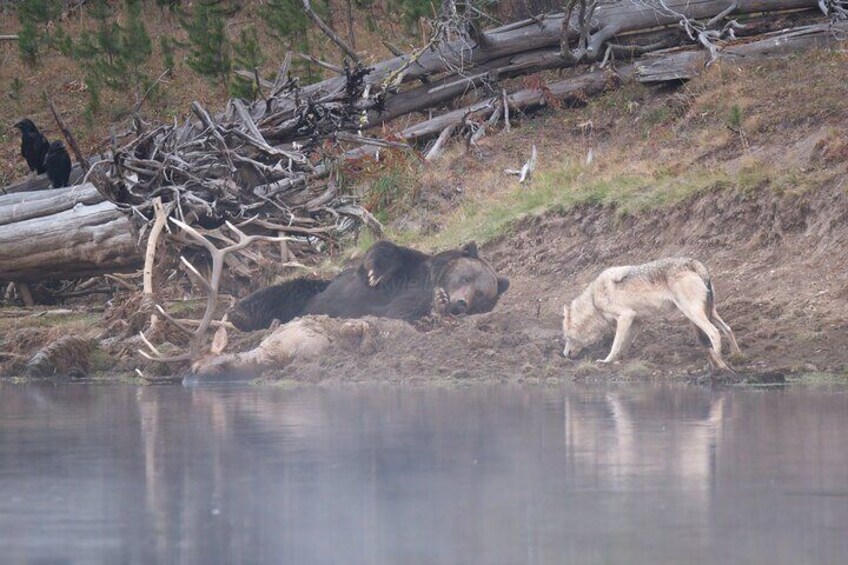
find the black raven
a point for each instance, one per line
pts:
(58, 164)
(33, 145)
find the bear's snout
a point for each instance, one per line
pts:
(459, 306)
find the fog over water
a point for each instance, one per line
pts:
(392, 475)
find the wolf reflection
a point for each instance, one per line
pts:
(608, 437)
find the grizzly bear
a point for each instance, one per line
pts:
(390, 282)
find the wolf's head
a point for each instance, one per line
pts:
(572, 346)
(581, 327)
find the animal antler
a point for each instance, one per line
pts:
(212, 285)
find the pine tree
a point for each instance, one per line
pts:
(248, 56)
(210, 47)
(166, 46)
(136, 44)
(113, 56)
(290, 24)
(34, 15)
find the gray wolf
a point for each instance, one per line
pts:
(621, 296)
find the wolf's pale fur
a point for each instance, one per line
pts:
(623, 295)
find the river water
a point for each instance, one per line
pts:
(383, 475)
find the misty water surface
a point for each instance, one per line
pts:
(489, 475)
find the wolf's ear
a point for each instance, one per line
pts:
(470, 250)
(503, 285)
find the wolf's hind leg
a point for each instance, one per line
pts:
(698, 317)
(623, 336)
(725, 329)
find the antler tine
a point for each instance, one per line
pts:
(241, 235)
(195, 272)
(150, 345)
(211, 285)
(173, 320)
(174, 359)
(157, 355)
(195, 235)
(245, 240)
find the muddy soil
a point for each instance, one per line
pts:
(779, 266)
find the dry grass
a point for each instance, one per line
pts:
(732, 128)
(63, 79)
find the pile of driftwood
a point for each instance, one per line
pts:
(267, 166)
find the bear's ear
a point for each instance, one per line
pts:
(503, 285)
(470, 250)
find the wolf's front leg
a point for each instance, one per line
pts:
(623, 329)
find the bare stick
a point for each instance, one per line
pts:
(329, 33)
(329, 66)
(251, 75)
(282, 74)
(26, 294)
(507, 126)
(139, 104)
(66, 132)
(393, 49)
(436, 150)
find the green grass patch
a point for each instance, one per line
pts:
(49, 320)
(559, 190)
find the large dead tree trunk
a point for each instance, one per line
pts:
(687, 64)
(24, 206)
(62, 234)
(613, 19)
(40, 182)
(672, 65)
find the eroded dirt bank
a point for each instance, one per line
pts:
(779, 265)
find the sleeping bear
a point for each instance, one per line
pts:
(390, 282)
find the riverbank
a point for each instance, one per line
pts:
(740, 168)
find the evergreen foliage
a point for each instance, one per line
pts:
(112, 55)
(209, 45)
(34, 16)
(248, 56)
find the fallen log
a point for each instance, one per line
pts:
(23, 206)
(574, 89)
(687, 64)
(64, 234)
(41, 182)
(613, 19)
(662, 66)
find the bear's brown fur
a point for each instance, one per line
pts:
(392, 281)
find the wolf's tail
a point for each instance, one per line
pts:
(283, 302)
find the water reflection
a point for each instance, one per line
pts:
(389, 475)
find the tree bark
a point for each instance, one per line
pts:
(24, 206)
(41, 182)
(685, 65)
(614, 18)
(65, 233)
